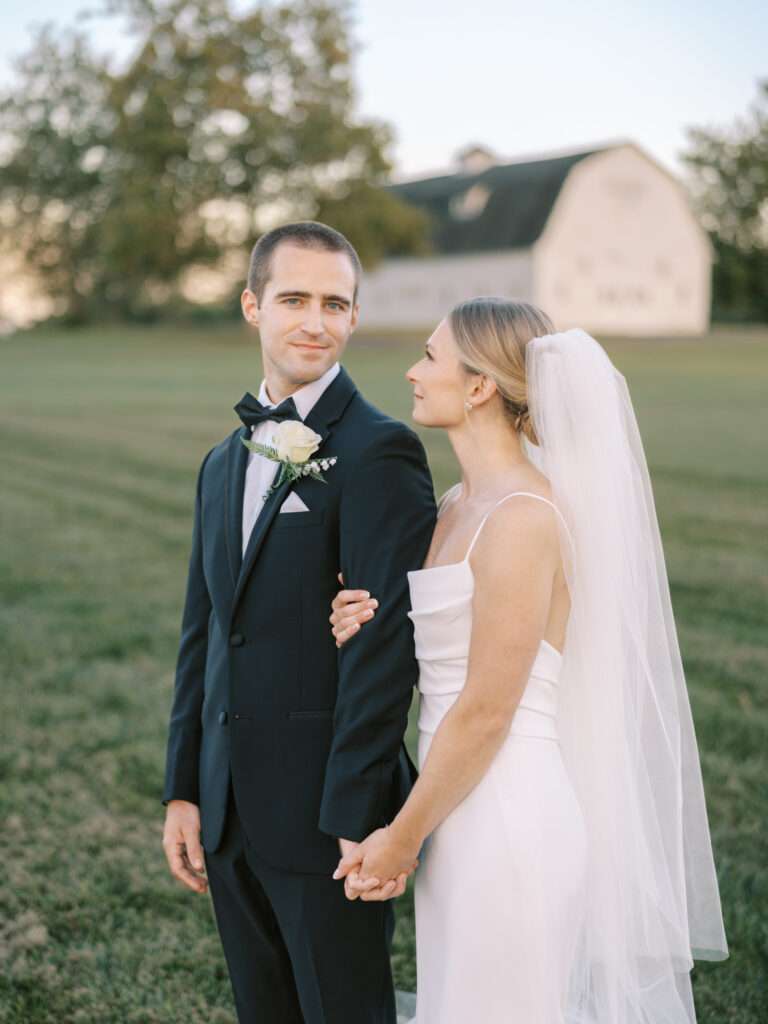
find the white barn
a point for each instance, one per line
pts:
(602, 238)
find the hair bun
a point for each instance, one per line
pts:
(524, 425)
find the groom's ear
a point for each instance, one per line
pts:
(250, 307)
(355, 316)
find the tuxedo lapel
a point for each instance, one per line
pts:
(328, 410)
(330, 407)
(237, 461)
(258, 533)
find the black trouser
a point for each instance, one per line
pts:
(298, 951)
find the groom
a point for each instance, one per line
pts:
(284, 752)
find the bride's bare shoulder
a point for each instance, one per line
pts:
(521, 528)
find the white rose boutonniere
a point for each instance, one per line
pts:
(293, 444)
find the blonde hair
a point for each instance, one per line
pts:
(491, 334)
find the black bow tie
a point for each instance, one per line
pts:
(252, 412)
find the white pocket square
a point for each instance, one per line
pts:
(293, 503)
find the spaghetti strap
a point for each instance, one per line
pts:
(514, 494)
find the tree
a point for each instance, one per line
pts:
(730, 188)
(51, 188)
(220, 126)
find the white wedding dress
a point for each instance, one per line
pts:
(499, 891)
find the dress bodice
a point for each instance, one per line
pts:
(441, 603)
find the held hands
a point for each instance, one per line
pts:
(355, 887)
(349, 610)
(382, 856)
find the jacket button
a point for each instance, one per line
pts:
(236, 640)
(222, 718)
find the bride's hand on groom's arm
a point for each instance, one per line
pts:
(350, 609)
(377, 868)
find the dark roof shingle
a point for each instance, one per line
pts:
(520, 200)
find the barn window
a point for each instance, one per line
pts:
(470, 204)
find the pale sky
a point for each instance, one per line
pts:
(522, 79)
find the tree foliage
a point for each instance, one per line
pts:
(730, 185)
(114, 184)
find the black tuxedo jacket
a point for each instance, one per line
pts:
(312, 735)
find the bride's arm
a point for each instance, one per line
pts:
(514, 564)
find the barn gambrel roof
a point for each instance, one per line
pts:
(514, 202)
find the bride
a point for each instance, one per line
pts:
(565, 867)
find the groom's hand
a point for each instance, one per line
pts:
(389, 890)
(181, 842)
(347, 848)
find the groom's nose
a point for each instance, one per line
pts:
(313, 323)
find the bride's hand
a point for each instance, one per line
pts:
(349, 610)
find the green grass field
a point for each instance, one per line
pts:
(101, 434)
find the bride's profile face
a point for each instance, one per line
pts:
(440, 383)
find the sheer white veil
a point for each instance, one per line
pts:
(625, 723)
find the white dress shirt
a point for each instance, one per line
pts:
(261, 471)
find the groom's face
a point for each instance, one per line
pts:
(306, 314)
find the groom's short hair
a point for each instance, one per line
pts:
(310, 234)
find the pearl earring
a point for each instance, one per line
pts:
(467, 406)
